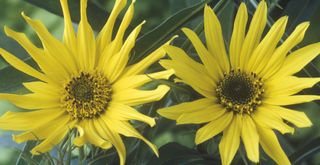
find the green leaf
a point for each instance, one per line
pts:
(174, 153)
(96, 15)
(25, 156)
(159, 35)
(102, 157)
(305, 151)
(11, 79)
(300, 12)
(167, 29)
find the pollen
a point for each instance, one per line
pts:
(240, 92)
(87, 95)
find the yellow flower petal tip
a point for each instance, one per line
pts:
(23, 14)
(171, 39)
(160, 112)
(244, 92)
(35, 152)
(153, 122)
(186, 30)
(7, 30)
(16, 139)
(162, 89)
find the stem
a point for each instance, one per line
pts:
(243, 157)
(68, 160)
(81, 155)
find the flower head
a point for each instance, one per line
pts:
(84, 83)
(244, 93)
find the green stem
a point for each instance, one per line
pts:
(81, 155)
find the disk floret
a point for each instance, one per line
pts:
(240, 92)
(87, 95)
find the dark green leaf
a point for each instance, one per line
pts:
(25, 156)
(11, 79)
(174, 153)
(300, 12)
(305, 151)
(153, 39)
(167, 29)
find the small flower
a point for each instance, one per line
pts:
(84, 83)
(244, 93)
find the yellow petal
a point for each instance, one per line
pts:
(28, 120)
(22, 39)
(118, 41)
(91, 135)
(119, 61)
(238, 34)
(293, 85)
(126, 129)
(138, 80)
(36, 53)
(298, 59)
(290, 100)
(177, 54)
(271, 146)
(53, 47)
(266, 118)
(23, 67)
(230, 140)
(42, 131)
(213, 128)
(261, 55)
(94, 138)
(202, 115)
(69, 36)
(134, 97)
(105, 36)
(279, 55)
(50, 67)
(86, 41)
(56, 137)
(110, 133)
(80, 139)
(214, 38)
(300, 119)
(202, 84)
(174, 112)
(253, 36)
(32, 101)
(43, 88)
(122, 112)
(214, 67)
(141, 66)
(250, 138)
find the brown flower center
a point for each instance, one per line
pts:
(240, 92)
(87, 95)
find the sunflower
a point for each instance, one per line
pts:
(244, 94)
(83, 83)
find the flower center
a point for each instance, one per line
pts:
(87, 95)
(240, 92)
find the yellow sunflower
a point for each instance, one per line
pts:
(84, 83)
(244, 93)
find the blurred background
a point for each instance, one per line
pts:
(164, 18)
